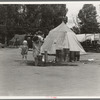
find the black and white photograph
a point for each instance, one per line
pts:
(50, 49)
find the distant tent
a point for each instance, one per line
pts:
(84, 37)
(61, 37)
(19, 38)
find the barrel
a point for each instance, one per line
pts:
(59, 55)
(77, 55)
(65, 54)
(72, 56)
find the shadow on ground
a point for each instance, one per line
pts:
(50, 64)
(32, 63)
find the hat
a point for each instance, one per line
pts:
(24, 42)
(40, 37)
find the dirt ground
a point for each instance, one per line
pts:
(18, 78)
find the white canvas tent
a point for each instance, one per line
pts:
(84, 37)
(61, 37)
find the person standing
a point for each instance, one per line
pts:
(24, 50)
(37, 42)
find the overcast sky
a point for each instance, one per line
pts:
(73, 10)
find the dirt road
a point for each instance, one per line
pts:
(22, 79)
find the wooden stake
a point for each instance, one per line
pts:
(45, 56)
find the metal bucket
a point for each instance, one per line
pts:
(65, 54)
(59, 55)
(77, 55)
(72, 56)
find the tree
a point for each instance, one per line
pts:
(44, 17)
(88, 15)
(23, 19)
(8, 18)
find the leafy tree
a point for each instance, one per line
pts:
(45, 17)
(8, 20)
(23, 19)
(88, 15)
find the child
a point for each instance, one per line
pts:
(24, 50)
